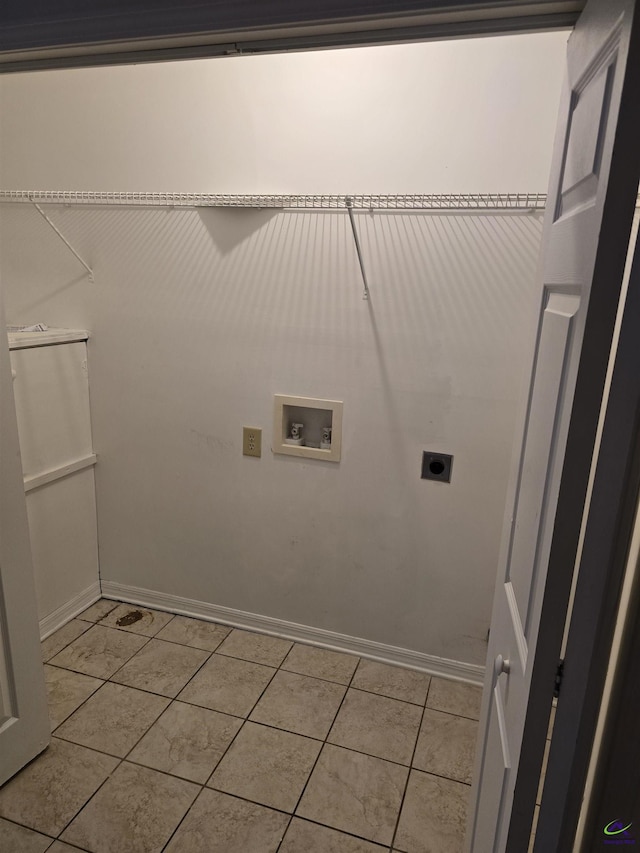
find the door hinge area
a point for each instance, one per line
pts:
(558, 679)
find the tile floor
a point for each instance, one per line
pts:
(180, 735)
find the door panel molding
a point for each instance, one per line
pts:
(518, 630)
(579, 189)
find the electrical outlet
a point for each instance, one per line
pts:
(251, 441)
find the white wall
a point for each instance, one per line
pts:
(199, 317)
(463, 116)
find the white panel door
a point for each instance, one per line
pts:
(24, 719)
(577, 306)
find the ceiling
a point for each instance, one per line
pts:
(37, 34)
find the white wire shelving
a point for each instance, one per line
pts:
(425, 201)
(429, 202)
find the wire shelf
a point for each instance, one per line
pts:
(432, 201)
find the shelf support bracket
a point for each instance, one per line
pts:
(64, 240)
(349, 204)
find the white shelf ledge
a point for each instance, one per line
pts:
(26, 340)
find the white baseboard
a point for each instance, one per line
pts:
(458, 670)
(68, 610)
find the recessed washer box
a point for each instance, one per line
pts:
(300, 427)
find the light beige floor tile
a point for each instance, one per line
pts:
(393, 681)
(66, 691)
(161, 667)
(228, 685)
(377, 725)
(267, 766)
(446, 746)
(194, 632)
(305, 837)
(114, 719)
(320, 663)
(297, 703)
(187, 741)
(68, 773)
(258, 648)
(454, 697)
(61, 847)
(433, 816)
(98, 610)
(99, 652)
(135, 811)
(138, 620)
(62, 637)
(218, 823)
(356, 793)
(18, 839)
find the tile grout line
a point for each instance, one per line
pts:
(280, 669)
(109, 628)
(57, 837)
(410, 768)
(183, 818)
(81, 705)
(244, 719)
(320, 751)
(66, 646)
(104, 681)
(351, 834)
(143, 646)
(72, 846)
(111, 754)
(29, 828)
(88, 800)
(120, 760)
(171, 699)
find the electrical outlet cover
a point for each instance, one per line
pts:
(251, 441)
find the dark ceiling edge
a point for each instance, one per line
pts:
(129, 53)
(34, 24)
